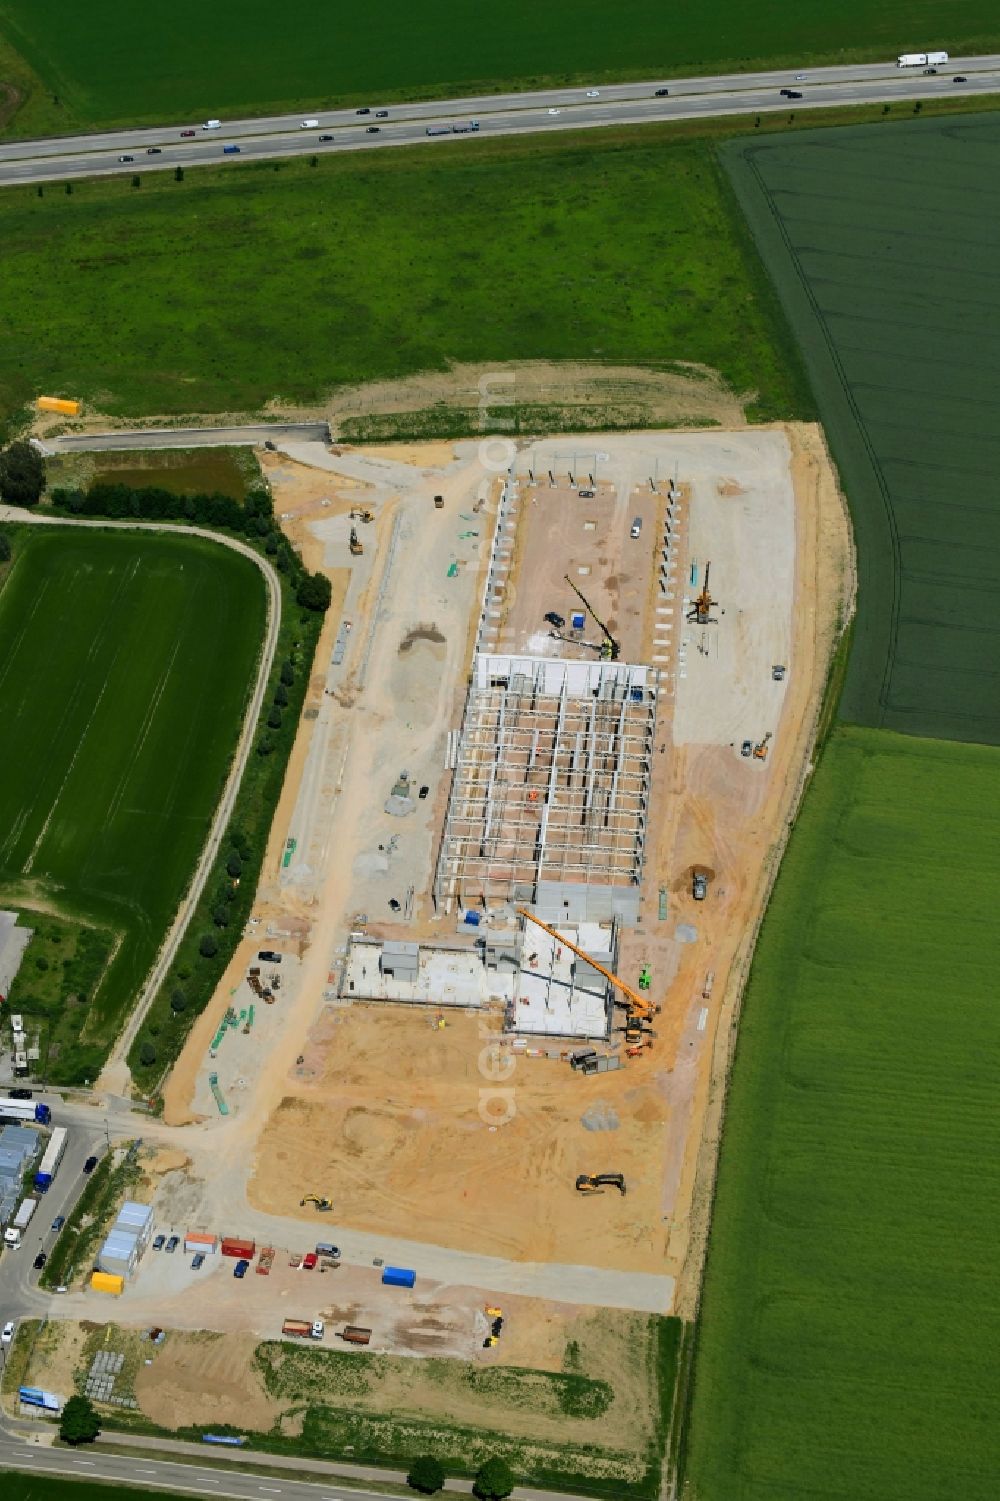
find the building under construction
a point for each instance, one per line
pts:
(550, 789)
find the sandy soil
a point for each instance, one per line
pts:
(191, 1368)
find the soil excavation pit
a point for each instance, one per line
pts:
(398, 1127)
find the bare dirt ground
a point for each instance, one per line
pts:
(172, 1390)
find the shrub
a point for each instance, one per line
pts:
(426, 1474)
(208, 946)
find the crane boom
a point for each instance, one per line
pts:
(613, 646)
(638, 1003)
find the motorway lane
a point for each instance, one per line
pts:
(619, 104)
(252, 436)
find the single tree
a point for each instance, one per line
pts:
(178, 1000)
(234, 865)
(79, 1423)
(147, 1054)
(22, 475)
(274, 719)
(208, 946)
(494, 1480)
(178, 174)
(426, 1474)
(265, 745)
(315, 592)
(281, 696)
(221, 917)
(287, 673)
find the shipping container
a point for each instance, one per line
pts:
(22, 1218)
(355, 1335)
(309, 1261)
(34, 1396)
(398, 1276)
(107, 1282)
(198, 1240)
(49, 1164)
(242, 1249)
(65, 407)
(438, 130)
(24, 1110)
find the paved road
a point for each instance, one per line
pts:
(193, 437)
(156, 148)
(115, 1075)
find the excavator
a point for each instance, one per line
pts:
(761, 748)
(700, 612)
(610, 648)
(595, 1183)
(356, 546)
(640, 1008)
(321, 1204)
(360, 514)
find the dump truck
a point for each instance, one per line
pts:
(304, 1328)
(355, 1335)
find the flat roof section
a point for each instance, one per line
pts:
(551, 781)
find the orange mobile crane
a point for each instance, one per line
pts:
(639, 1007)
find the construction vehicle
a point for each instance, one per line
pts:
(700, 612)
(595, 1183)
(610, 648)
(439, 502)
(321, 1203)
(356, 548)
(760, 749)
(699, 886)
(636, 1004)
(360, 514)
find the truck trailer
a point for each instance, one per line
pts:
(20, 1111)
(303, 1328)
(49, 1164)
(21, 1221)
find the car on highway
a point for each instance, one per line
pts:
(555, 111)
(373, 130)
(153, 151)
(189, 132)
(231, 150)
(126, 158)
(90, 1164)
(554, 619)
(326, 138)
(197, 1261)
(241, 1268)
(159, 1241)
(959, 78)
(930, 72)
(58, 1222)
(39, 1261)
(362, 111)
(381, 114)
(593, 93)
(172, 1244)
(22, 1094)
(7, 1333)
(793, 94)
(661, 94)
(800, 78)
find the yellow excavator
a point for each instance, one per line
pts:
(640, 1007)
(360, 514)
(321, 1204)
(761, 748)
(595, 1183)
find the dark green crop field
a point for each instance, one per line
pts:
(114, 60)
(882, 241)
(234, 286)
(125, 667)
(848, 1346)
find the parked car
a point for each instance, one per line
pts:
(269, 956)
(172, 1244)
(241, 1268)
(555, 619)
(7, 1333)
(58, 1222)
(636, 528)
(22, 1094)
(159, 1241)
(586, 494)
(197, 1261)
(423, 791)
(699, 887)
(746, 749)
(326, 138)
(90, 1164)
(39, 1261)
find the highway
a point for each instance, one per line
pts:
(251, 436)
(159, 148)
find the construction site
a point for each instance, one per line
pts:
(557, 726)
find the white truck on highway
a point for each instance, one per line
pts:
(21, 1221)
(921, 59)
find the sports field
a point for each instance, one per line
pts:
(848, 1342)
(113, 60)
(125, 668)
(229, 288)
(882, 241)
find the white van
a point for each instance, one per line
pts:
(636, 527)
(212, 125)
(309, 125)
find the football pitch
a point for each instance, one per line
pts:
(128, 659)
(847, 1348)
(113, 60)
(882, 241)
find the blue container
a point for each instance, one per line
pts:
(579, 621)
(472, 918)
(398, 1276)
(636, 695)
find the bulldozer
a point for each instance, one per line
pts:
(360, 514)
(356, 545)
(321, 1204)
(595, 1183)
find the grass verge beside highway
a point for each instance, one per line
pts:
(845, 1346)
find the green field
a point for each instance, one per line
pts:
(883, 243)
(126, 665)
(19, 1487)
(220, 292)
(113, 60)
(848, 1344)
